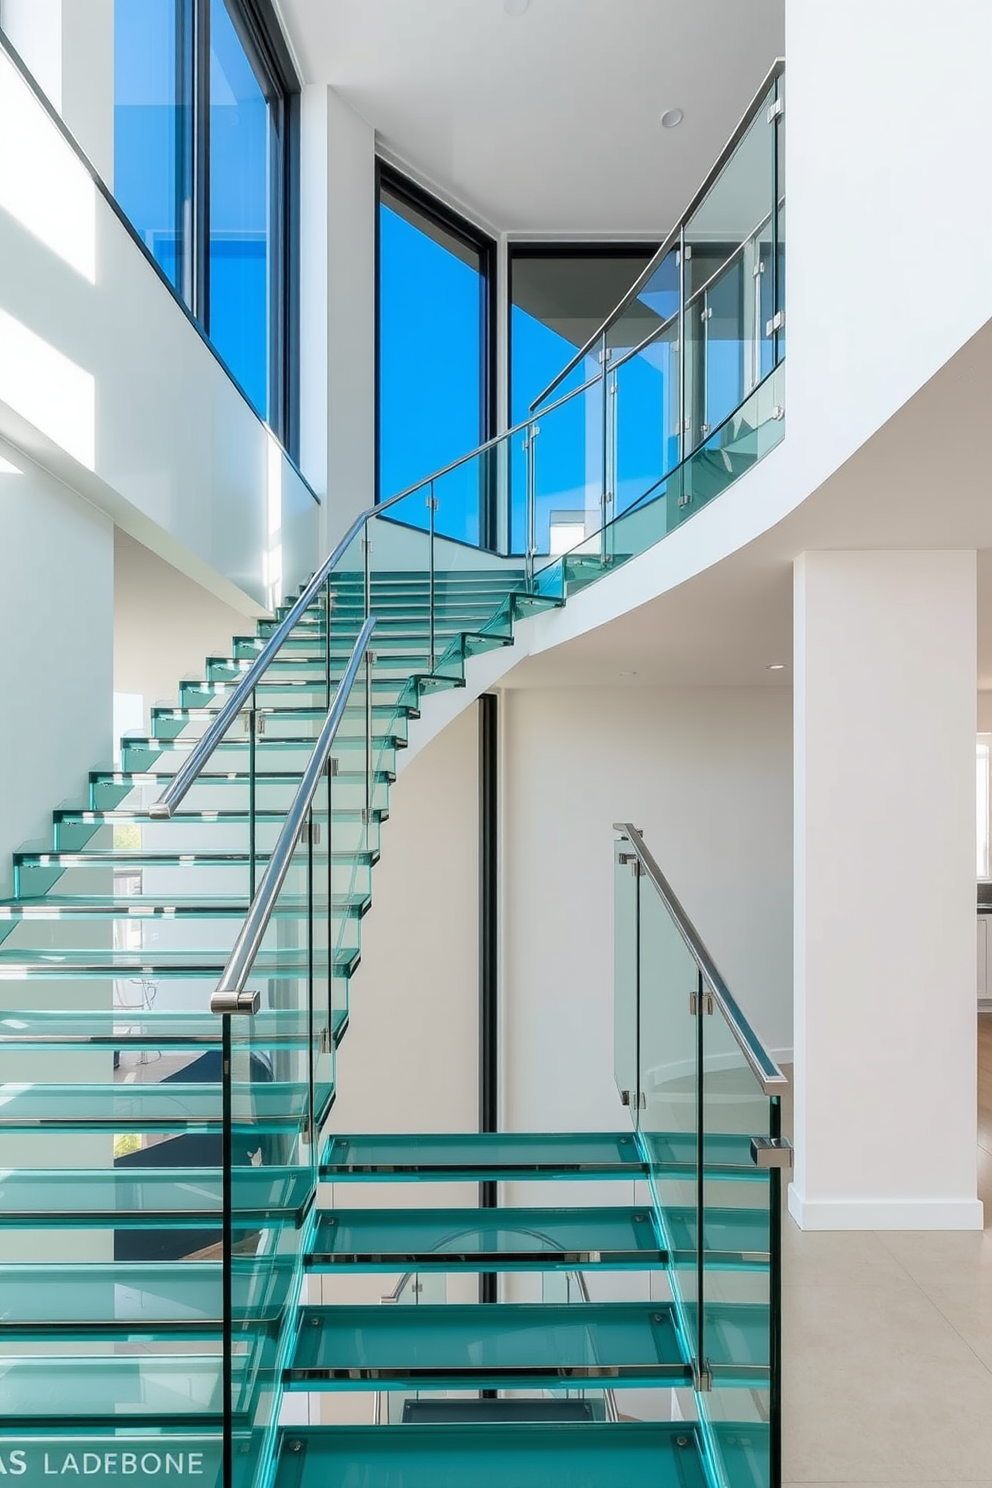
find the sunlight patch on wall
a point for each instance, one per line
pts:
(50, 391)
(43, 184)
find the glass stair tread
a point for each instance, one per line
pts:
(149, 1028)
(202, 906)
(474, 1155)
(476, 1240)
(675, 1154)
(149, 1198)
(461, 1346)
(115, 1297)
(154, 961)
(140, 816)
(264, 1106)
(745, 1455)
(732, 1237)
(532, 1455)
(137, 857)
(736, 1338)
(117, 1389)
(212, 779)
(487, 1412)
(296, 688)
(165, 755)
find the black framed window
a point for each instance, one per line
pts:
(206, 119)
(435, 349)
(559, 295)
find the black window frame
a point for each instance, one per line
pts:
(547, 248)
(257, 27)
(408, 192)
(260, 34)
(192, 176)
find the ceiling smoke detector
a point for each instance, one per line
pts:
(672, 118)
(516, 7)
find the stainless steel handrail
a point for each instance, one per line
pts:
(194, 762)
(763, 1067)
(774, 72)
(613, 364)
(242, 957)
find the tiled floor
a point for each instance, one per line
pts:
(888, 1347)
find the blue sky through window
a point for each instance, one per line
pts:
(431, 348)
(151, 148)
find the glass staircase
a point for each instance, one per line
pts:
(176, 973)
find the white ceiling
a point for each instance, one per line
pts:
(548, 121)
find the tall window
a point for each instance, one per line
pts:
(435, 342)
(152, 137)
(205, 104)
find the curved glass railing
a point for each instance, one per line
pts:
(705, 1098)
(735, 222)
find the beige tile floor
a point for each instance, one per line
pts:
(888, 1347)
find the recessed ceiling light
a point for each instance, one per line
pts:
(776, 666)
(672, 118)
(516, 7)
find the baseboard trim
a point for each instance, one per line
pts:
(885, 1214)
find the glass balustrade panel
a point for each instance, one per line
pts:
(644, 393)
(472, 588)
(625, 972)
(668, 1082)
(273, 1061)
(724, 266)
(568, 451)
(518, 523)
(741, 1236)
(327, 869)
(746, 437)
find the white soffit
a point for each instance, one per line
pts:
(547, 121)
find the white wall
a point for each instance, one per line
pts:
(56, 581)
(409, 1060)
(707, 775)
(165, 625)
(337, 294)
(106, 383)
(887, 138)
(68, 46)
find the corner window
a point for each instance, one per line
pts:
(434, 354)
(560, 294)
(152, 164)
(205, 106)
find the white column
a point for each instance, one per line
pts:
(885, 945)
(68, 46)
(337, 294)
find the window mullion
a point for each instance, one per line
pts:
(200, 235)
